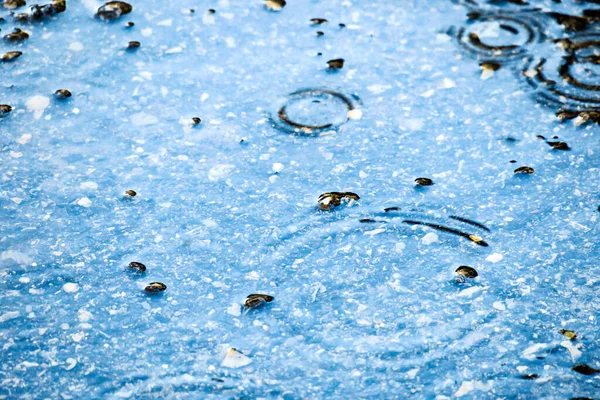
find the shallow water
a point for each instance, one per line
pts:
(229, 207)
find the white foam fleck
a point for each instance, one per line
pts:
(219, 171)
(235, 359)
(465, 388)
(143, 119)
(430, 238)
(37, 105)
(355, 114)
(8, 316)
(494, 257)
(84, 202)
(70, 287)
(24, 139)
(88, 185)
(76, 46)
(235, 310)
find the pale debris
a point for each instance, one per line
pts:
(235, 359)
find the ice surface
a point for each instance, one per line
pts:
(365, 304)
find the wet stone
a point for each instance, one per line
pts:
(585, 369)
(490, 65)
(568, 334)
(133, 45)
(512, 161)
(329, 200)
(524, 170)
(367, 221)
(319, 33)
(388, 209)
(529, 376)
(11, 56)
(465, 271)
(336, 64)
(137, 266)
(62, 94)
(113, 10)
(130, 193)
(423, 182)
(130, 24)
(210, 11)
(275, 5)
(5, 109)
(38, 13)
(559, 145)
(155, 287)
(257, 300)
(196, 121)
(16, 36)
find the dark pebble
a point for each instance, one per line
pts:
(337, 63)
(466, 272)
(134, 45)
(585, 369)
(155, 287)
(257, 300)
(5, 109)
(423, 182)
(524, 170)
(11, 56)
(62, 94)
(196, 120)
(559, 145)
(130, 193)
(113, 10)
(138, 267)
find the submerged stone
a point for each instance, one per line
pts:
(130, 193)
(257, 300)
(465, 271)
(275, 5)
(113, 10)
(334, 199)
(337, 63)
(11, 56)
(137, 266)
(524, 170)
(16, 36)
(62, 94)
(423, 182)
(155, 287)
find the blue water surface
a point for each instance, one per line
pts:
(228, 207)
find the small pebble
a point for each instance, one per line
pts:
(335, 64)
(513, 161)
(585, 369)
(155, 287)
(318, 21)
(319, 33)
(524, 170)
(275, 5)
(490, 65)
(130, 193)
(16, 36)
(113, 10)
(568, 334)
(465, 271)
(559, 145)
(11, 55)
(130, 24)
(529, 376)
(257, 300)
(134, 45)
(342, 25)
(423, 182)
(62, 94)
(5, 109)
(137, 266)
(210, 11)
(12, 4)
(333, 199)
(196, 121)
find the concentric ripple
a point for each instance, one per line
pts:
(391, 272)
(570, 77)
(500, 35)
(517, 5)
(309, 112)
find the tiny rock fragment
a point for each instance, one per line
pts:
(210, 11)
(423, 182)
(113, 10)
(130, 24)
(529, 376)
(257, 300)
(488, 68)
(62, 94)
(341, 25)
(559, 145)
(5, 109)
(320, 33)
(366, 221)
(137, 266)
(524, 170)
(337, 63)
(196, 121)
(318, 21)
(585, 369)
(11, 55)
(155, 287)
(134, 44)
(512, 161)
(38, 13)
(464, 271)
(275, 5)
(16, 36)
(235, 359)
(388, 209)
(568, 334)
(130, 193)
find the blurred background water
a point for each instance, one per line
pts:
(228, 206)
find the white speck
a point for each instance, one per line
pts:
(75, 111)
(146, 75)
(428, 93)
(230, 42)
(498, 305)
(174, 50)
(378, 89)
(71, 363)
(204, 96)
(446, 83)
(430, 238)
(355, 114)
(84, 202)
(235, 310)
(235, 359)
(24, 139)
(400, 246)
(166, 22)
(208, 18)
(84, 315)
(17, 200)
(487, 73)
(147, 32)
(494, 257)
(78, 337)
(76, 46)
(573, 349)
(70, 287)
(8, 316)
(16, 256)
(362, 174)
(89, 185)
(16, 154)
(277, 167)
(465, 388)
(374, 232)
(219, 171)
(522, 368)
(24, 279)
(209, 223)
(412, 124)
(253, 276)
(442, 38)
(143, 119)
(412, 373)
(37, 105)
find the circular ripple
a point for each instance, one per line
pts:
(569, 77)
(377, 275)
(313, 111)
(500, 35)
(519, 5)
